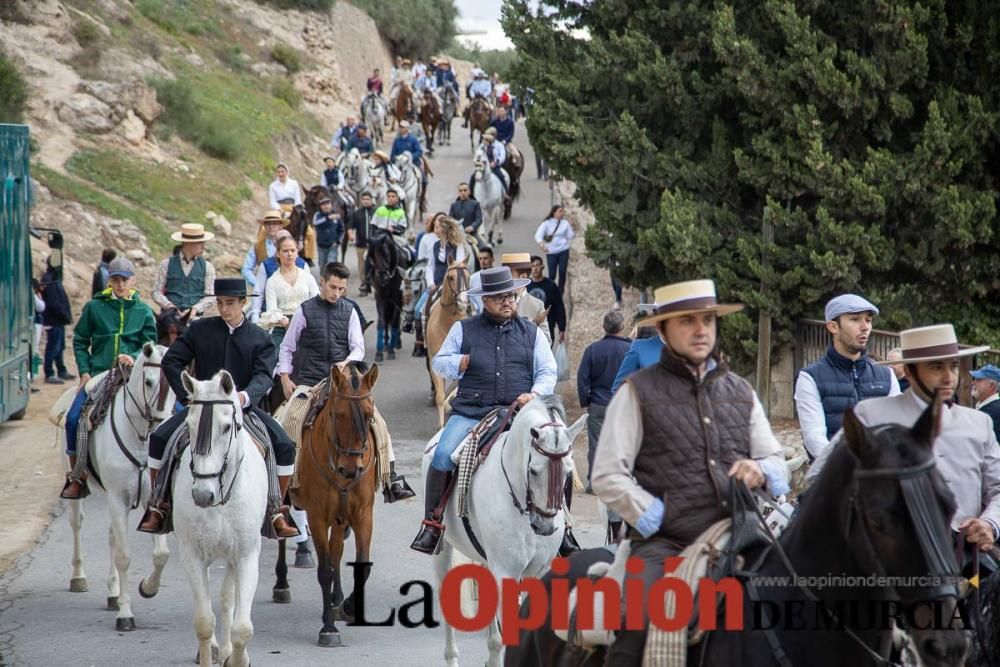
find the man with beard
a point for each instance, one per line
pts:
(843, 376)
(497, 358)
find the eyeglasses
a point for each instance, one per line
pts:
(500, 298)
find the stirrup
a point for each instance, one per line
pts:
(84, 488)
(151, 511)
(426, 528)
(397, 489)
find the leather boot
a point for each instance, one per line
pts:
(282, 527)
(569, 543)
(614, 528)
(428, 540)
(397, 488)
(155, 519)
(74, 489)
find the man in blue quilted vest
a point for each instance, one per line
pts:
(844, 376)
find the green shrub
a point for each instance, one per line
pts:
(218, 141)
(492, 61)
(86, 32)
(286, 56)
(307, 5)
(183, 116)
(284, 90)
(415, 28)
(231, 57)
(159, 13)
(13, 91)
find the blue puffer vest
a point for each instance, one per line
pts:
(501, 364)
(843, 382)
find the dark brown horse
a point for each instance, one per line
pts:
(430, 118)
(479, 119)
(514, 166)
(404, 105)
(338, 476)
(301, 228)
(171, 325)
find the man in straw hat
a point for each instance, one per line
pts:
(675, 436)
(265, 246)
(968, 456)
(186, 280)
(497, 358)
(231, 343)
(496, 155)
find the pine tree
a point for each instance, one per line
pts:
(865, 133)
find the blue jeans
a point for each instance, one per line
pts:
(616, 287)
(418, 309)
(73, 421)
(326, 255)
(380, 338)
(454, 433)
(55, 345)
(559, 263)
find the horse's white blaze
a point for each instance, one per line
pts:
(229, 532)
(125, 485)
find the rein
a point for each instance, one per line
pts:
(554, 499)
(146, 412)
(461, 285)
(200, 447)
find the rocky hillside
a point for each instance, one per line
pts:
(150, 113)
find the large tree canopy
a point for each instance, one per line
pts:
(864, 132)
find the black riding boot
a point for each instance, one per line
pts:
(569, 543)
(397, 488)
(418, 344)
(428, 540)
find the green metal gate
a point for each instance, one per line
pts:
(17, 307)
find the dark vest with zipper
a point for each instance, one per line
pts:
(441, 268)
(692, 432)
(843, 382)
(185, 291)
(323, 342)
(501, 364)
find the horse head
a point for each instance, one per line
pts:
(894, 520)
(404, 160)
(540, 431)
(214, 416)
(349, 416)
(148, 389)
(456, 285)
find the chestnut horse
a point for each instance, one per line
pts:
(479, 119)
(338, 476)
(430, 118)
(451, 307)
(404, 105)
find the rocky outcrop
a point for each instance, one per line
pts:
(87, 113)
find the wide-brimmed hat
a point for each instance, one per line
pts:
(381, 154)
(490, 132)
(516, 260)
(274, 216)
(497, 280)
(692, 296)
(933, 343)
(406, 61)
(192, 232)
(404, 123)
(231, 287)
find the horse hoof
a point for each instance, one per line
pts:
(78, 585)
(281, 595)
(329, 639)
(143, 593)
(305, 560)
(125, 624)
(215, 656)
(112, 603)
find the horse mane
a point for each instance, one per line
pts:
(554, 406)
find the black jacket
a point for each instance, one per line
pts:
(547, 291)
(993, 410)
(361, 222)
(57, 312)
(469, 212)
(248, 354)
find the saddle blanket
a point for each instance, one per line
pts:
(57, 413)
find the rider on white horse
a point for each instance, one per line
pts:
(229, 342)
(496, 155)
(361, 141)
(498, 358)
(111, 331)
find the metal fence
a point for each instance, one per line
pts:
(812, 339)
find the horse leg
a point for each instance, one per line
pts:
(442, 563)
(245, 584)
(118, 514)
(498, 217)
(204, 619)
(227, 596)
(343, 608)
(150, 586)
(114, 585)
(329, 636)
(281, 592)
(78, 581)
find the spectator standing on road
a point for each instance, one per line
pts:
(99, 282)
(361, 222)
(595, 376)
(843, 376)
(985, 385)
(329, 232)
(554, 237)
(55, 317)
(546, 290)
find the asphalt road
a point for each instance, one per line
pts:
(42, 623)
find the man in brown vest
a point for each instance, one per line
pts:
(676, 434)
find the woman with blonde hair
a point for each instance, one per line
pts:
(448, 246)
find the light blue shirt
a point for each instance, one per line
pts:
(481, 87)
(448, 359)
(250, 263)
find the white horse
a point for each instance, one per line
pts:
(489, 192)
(374, 111)
(220, 499)
(409, 185)
(519, 487)
(119, 452)
(352, 166)
(375, 182)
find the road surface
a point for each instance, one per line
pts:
(42, 623)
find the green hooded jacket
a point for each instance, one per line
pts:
(109, 327)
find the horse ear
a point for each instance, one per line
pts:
(226, 382)
(371, 376)
(926, 429)
(147, 349)
(336, 377)
(188, 382)
(855, 436)
(577, 427)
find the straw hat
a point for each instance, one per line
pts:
(192, 232)
(693, 296)
(516, 260)
(381, 155)
(932, 343)
(274, 216)
(490, 132)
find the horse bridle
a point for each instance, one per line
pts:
(147, 413)
(554, 501)
(204, 435)
(461, 285)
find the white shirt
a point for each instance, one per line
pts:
(282, 300)
(288, 190)
(562, 235)
(812, 418)
(426, 248)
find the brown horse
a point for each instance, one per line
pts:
(430, 118)
(338, 476)
(479, 119)
(452, 306)
(302, 230)
(514, 166)
(340, 207)
(404, 105)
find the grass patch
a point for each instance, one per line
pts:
(67, 187)
(185, 117)
(181, 16)
(307, 5)
(284, 90)
(287, 56)
(86, 32)
(13, 91)
(170, 194)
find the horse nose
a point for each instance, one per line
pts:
(944, 648)
(203, 497)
